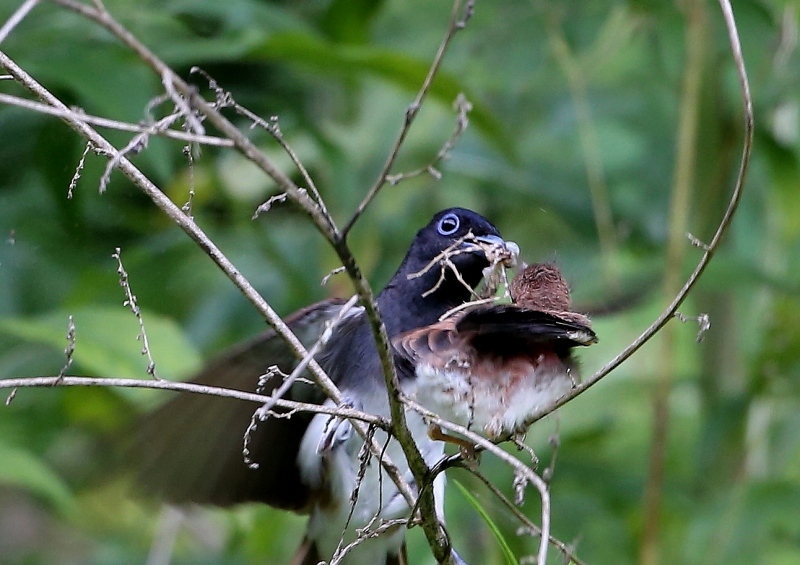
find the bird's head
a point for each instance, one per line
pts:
(448, 256)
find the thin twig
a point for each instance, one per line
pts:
(131, 302)
(267, 206)
(529, 526)
(73, 183)
(522, 471)
(463, 108)
(69, 351)
(368, 533)
(336, 271)
(58, 381)
(16, 18)
(457, 22)
(113, 124)
(271, 126)
(192, 229)
(262, 413)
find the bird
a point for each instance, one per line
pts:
(190, 449)
(494, 368)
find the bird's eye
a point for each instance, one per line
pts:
(448, 225)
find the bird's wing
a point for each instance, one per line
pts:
(503, 327)
(569, 328)
(434, 345)
(190, 449)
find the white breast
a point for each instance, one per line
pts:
(491, 406)
(378, 497)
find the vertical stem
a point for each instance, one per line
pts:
(590, 145)
(676, 247)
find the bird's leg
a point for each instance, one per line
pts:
(467, 448)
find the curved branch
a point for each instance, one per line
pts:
(520, 469)
(711, 248)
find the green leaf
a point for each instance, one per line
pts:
(393, 67)
(106, 341)
(511, 559)
(19, 468)
(348, 21)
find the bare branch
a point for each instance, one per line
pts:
(187, 206)
(457, 22)
(324, 224)
(16, 18)
(463, 107)
(710, 250)
(522, 473)
(163, 384)
(263, 412)
(113, 124)
(130, 302)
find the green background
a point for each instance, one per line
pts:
(578, 107)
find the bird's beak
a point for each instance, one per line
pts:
(492, 240)
(498, 250)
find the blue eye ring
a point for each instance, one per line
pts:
(449, 224)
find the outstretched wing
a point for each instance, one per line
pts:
(190, 449)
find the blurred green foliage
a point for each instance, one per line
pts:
(339, 75)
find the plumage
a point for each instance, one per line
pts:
(193, 444)
(190, 450)
(492, 368)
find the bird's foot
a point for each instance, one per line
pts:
(338, 430)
